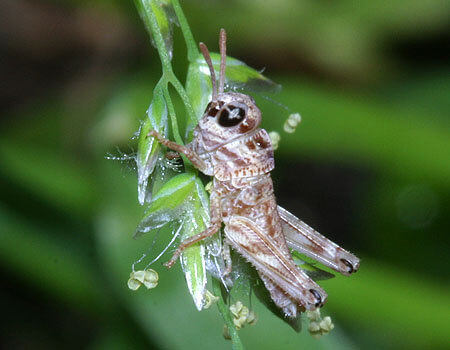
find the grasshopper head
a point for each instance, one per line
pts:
(229, 114)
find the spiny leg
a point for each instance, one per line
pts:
(304, 239)
(250, 241)
(190, 154)
(214, 226)
(288, 305)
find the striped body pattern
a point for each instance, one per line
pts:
(229, 145)
(241, 158)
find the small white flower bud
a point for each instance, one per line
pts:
(209, 299)
(134, 284)
(275, 139)
(242, 315)
(313, 316)
(148, 278)
(318, 326)
(291, 123)
(236, 308)
(326, 324)
(314, 327)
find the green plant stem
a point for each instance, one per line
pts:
(175, 130)
(184, 97)
(151, 23)
(225, 312)
(192, 50)
(168, 76)
(173, 118)
(149, 19)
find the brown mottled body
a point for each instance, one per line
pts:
(229, 146)
(253, 228)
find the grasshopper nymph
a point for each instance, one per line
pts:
(229, 145)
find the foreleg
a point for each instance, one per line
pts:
(172, 155)
(190, 154)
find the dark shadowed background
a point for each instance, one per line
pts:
(369, 166)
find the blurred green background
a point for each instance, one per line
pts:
(369, 166)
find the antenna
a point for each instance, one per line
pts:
(207, 56)
(223, 58)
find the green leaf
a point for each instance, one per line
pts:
(183, 199)
(239, 75)
(149, 150)
(199, 90)
(173, 194)
(168, 203)
(193, 258)
(193, 261)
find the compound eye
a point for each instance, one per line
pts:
(231, 116)
(212, 110)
